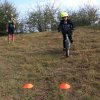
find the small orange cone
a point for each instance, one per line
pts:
(27, 86)
(64, 86)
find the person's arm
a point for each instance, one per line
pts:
(72, 25)
(14, 22)
(59, 26)
(6, 27)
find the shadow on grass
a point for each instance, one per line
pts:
(54, 52)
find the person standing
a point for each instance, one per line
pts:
(10, 28)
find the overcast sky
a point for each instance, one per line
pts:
(24, 5)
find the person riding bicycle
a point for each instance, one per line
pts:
(10, 28)
(66, 27)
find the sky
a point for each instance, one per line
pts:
(23, 6)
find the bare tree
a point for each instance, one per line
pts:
(43, 17)
(85, 15)
(6, 9)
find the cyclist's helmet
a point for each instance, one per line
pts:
(64, 14)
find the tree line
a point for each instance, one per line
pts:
(45, 17)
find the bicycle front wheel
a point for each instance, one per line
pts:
(67, 52)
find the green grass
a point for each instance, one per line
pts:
(38, 59)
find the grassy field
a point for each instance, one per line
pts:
(38, 59)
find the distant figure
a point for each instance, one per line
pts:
(66, 27)
(10, 28)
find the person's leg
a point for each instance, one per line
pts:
(9, 35)
(13, 38)
(64, 38)
(70, 36)
(12, 35)
(9, 38)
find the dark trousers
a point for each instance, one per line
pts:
(64, 37)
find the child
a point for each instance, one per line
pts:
(66, 27)
(10, 28)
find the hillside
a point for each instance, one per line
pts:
(38, 59)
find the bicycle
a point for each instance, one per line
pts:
(67, 46)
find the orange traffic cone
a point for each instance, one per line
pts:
(28, 86)
(64, 86)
